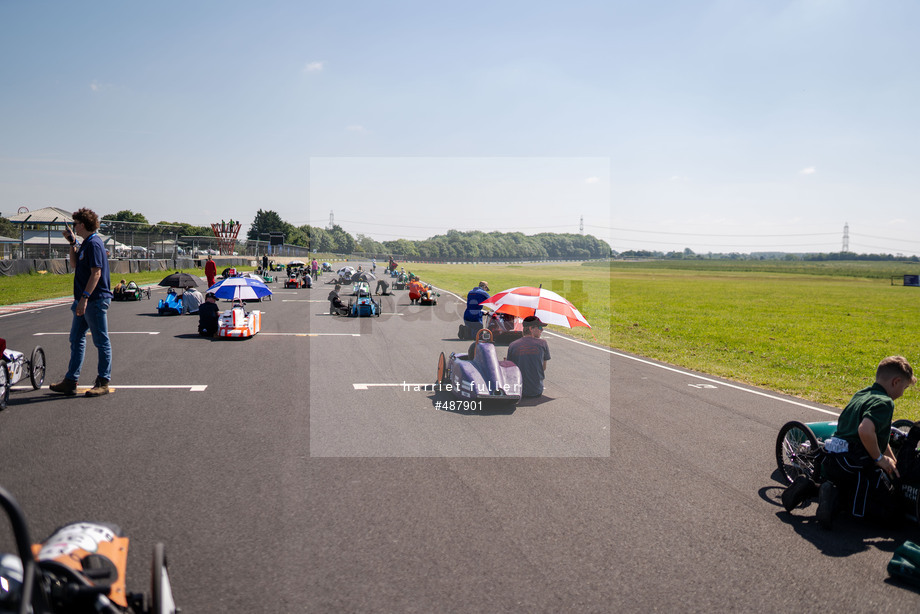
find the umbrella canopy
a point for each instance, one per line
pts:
(245, 288)
(297, 263)
(326, 264)
(179, 280)
(365, 276)
(546, 305)
(349, 269)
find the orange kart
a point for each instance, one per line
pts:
(81, 567)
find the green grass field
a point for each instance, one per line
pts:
(812, 330)
(816, 333)
(36, 286)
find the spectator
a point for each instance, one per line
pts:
(530, 354)
(92, 297)
(191, 300)
(210, 270)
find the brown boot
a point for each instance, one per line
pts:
(101, 388)
(65, 386)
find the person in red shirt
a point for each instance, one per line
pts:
(210, 271)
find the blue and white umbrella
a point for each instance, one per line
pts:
(245, 288)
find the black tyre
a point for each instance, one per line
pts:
(161, 597)
(4, 385)
(797, 450)
(37, 370)
(902, 424)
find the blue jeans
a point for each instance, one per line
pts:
(95, 320)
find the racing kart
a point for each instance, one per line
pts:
(428, 296)
(14, 366)
(170, 306)
(293, 282)
(800, 451)
(237, 323)
(504, 327)
(131, 292)
(481, 378)
(79, 569)
(364, 306)
(402, 282)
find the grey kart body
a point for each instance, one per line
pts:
(485, 377)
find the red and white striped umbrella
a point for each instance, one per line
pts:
(546, 305)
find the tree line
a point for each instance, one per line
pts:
(455, 245)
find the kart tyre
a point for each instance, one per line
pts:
(797, 450)
(4, 385)
(37, 367)
(442, 369)
(161, 597)
(902, 424)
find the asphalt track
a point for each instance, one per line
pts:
(294, 473)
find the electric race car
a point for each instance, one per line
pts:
(237, 323)
(800, 451)
(131, 292)
(14, 366)
(79, 569)
(482, 376)
(293, 281)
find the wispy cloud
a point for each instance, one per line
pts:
(593, 180)
(678, 178)
(355, 128)
(809, 170)
(314, 66)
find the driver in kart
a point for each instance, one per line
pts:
(859, 462)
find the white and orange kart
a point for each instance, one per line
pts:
(80, 568)
(237, 323)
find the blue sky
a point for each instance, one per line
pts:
(719, 126)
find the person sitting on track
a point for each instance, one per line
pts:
(119, 289)
(208, 315)
(335, 303)
(858, 461)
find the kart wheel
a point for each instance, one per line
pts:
(4, 385)
(442, 369)
(797, 450)
(902, 424)
(161, 597)
(37, 370)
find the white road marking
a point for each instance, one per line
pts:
(313, 334)
(406, 385)
(694, 375)
(111, 332)
(191, 387)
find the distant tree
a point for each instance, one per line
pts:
(266, 222)
(8, 229)
(126, 215)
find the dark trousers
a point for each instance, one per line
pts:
(866, 491)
